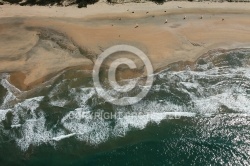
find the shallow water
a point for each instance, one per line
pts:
(193, 115)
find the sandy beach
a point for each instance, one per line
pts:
(38, 42)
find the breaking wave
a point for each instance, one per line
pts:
(218, 83)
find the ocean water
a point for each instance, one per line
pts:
(194, 114)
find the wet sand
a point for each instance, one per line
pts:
(38, 42)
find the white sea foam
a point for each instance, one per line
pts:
(58, 138)
(29, 104)
(7, 99)
(87, 127)
(126, 123)
(82, 95)
(3, 114)
(12, 91)
(209, 98)
(95, 130)
(15, 126)
(148, 112)
(238, 103)
(58, 103)
(34, 132)
(56, 88)
(33, 128)
(206, 100)
(190, 85)
(5, 83)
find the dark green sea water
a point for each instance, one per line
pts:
(193, 115)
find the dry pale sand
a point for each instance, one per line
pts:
(38, 42)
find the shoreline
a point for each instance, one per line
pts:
(38, 45)
(18, 80)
